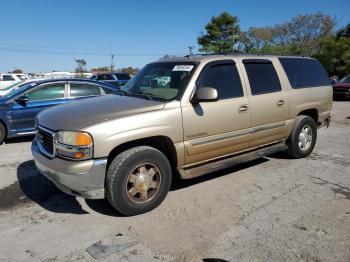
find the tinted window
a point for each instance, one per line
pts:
(77, 90)
(48, 92)
(7, 78)
(304, 72)
(109, 90)
(105, 77)
(224, 78)
(122, 76)
(262, 77)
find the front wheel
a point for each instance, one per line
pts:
(303, 137)
(138, 180)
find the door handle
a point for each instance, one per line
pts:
(280, 103)
(243, 108)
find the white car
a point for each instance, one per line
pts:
(14, 86)
(10, 79)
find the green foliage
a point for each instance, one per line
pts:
(100, 69)
(310, 35)
(129, 70)
(335, 55)
(222, 33)
(302, 35)
(80, 66)
(17, 71)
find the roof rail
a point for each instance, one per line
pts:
(244, 53)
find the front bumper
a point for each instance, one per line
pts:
(79, 178)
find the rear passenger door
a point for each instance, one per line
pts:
(268, 102)
(215, 129)
(83, 90)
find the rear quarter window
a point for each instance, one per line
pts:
(304, 72)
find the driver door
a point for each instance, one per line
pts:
(40, 98)
(215, 129)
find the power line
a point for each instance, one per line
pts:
(48, 52)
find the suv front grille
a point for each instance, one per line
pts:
(46, 140)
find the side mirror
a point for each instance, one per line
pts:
(22, 100)
(205, 94)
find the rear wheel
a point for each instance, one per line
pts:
(303, 137)
(138, 180)
(2, 133)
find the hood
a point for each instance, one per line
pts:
(86, 112)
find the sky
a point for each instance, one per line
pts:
(47, 35)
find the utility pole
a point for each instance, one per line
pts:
(112, 63)
(190, 49)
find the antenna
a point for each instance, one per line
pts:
(190, 48)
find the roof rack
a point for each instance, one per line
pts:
(243, 53)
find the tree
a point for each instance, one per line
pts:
(129, 70)
(80, 66)
(222, 33)
(302, 35)
(343, 32)
(334, 53)
(100, 69)
(307, 31)
(17, 71)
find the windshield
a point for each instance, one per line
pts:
(345, 79)
(163, 81)
(19, 89)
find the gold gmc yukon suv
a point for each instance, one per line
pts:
(188, 117)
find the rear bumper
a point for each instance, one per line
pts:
(79, 178)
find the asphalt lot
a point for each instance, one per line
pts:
(272, 209)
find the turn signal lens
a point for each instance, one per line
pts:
(79, 155)
(83, 139)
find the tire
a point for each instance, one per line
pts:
(2, 133)
(300, 144)
(140, 169)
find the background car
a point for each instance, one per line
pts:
(19, 108)
(10, 79)
(116, 79)
(16, 85)
(341, 89)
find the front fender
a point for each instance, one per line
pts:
(110, 134)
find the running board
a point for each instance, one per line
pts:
(199, 170)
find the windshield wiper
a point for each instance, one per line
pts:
(135, 93)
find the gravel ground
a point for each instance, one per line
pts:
(272, 209)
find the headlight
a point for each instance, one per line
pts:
(74, 145)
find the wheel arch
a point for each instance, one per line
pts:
(162, 143)
(311, 112)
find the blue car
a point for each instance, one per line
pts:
(116, 79)
(19, 108)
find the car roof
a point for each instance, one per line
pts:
(44, 81)
(213, 57)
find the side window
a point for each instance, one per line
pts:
(105, 77)
(8, 78)
(262, 76)
(78, 90)
(108, 91)
(304, 72)
(47, 92)
(224, 78)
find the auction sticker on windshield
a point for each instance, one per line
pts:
(187, 68)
